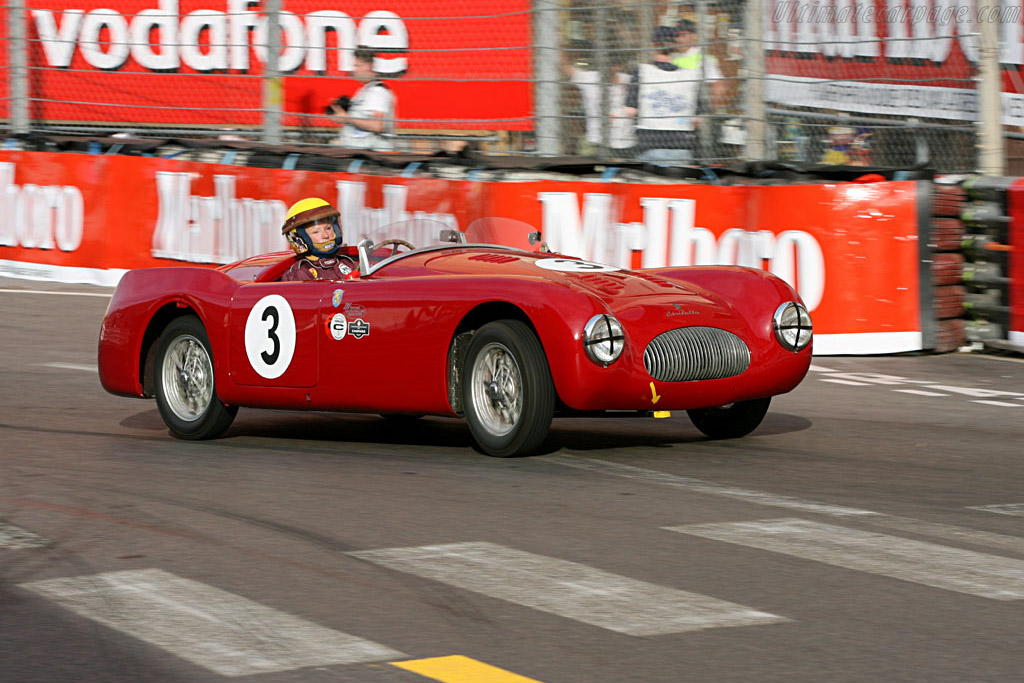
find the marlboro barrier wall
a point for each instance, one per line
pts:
(852, 249)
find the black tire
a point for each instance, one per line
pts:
(507, 391)
(185, 392)
(730, 421)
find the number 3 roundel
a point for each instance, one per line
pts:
(571, 265)
(270, 336)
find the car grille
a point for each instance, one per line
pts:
(693, 353)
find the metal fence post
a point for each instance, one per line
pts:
(991, 144)
(753, 95)
(546, 76)
(272, 88)
(18, 58)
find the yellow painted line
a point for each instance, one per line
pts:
(459, 669)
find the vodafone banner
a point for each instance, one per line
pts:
(850, 249)
(451, 64)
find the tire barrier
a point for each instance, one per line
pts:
(986, 247)
(942, 288)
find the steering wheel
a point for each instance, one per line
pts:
(396, 242)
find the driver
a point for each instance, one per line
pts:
(312, 228)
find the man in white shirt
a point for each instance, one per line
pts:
(369, 120)
(621, 138)
(663, 98)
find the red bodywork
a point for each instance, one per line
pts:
(415, 306)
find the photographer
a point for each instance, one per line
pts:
(367, 119)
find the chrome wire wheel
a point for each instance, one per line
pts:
(507, 391)
(185, 388)
(497, 389)
(187, 378)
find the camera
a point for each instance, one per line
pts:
(344, 102)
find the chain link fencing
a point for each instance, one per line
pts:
(848, 82)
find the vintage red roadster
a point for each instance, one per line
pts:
(506, 337)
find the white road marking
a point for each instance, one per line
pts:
(570, 590)
(950, 532)
(70, 366)
(226, 633)
(963, 571)
(860, 379)
(16, 538)
(699, 486)
(1015, 509)
(878, 378)
(817, 368)
(917, 526)
(44, 291)
(977, 393)
(919, 392)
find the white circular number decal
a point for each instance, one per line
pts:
(571, 265)
(270, 336)
(337, 326)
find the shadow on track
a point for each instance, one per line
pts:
(584, 434)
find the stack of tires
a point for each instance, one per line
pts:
(944, 261)
(985, 247)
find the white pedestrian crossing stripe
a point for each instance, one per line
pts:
(226, 633)
(16, 538)
(567, 589)
(1015, 509)
(964, 571)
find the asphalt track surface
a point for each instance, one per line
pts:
(872, 529)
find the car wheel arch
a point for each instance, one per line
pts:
(161, 318)
(476, 318)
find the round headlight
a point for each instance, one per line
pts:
(792, 324)
(603, 339)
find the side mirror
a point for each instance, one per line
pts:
(364, 247)
(456, 236)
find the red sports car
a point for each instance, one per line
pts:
(507, 337)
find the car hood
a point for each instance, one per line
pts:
(622, 290)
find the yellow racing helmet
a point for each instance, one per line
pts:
(304, 213)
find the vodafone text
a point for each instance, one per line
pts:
(208, 40)
(668, 237)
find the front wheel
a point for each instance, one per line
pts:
(185, 391)
(730, 421)
(508, 394)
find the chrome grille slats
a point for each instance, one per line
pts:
(695, 353)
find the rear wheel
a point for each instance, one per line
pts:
(508, 395)
(730, 421)
(185, 391)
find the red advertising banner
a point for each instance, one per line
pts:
(463, 64)
(850, 249)
(1015, 197)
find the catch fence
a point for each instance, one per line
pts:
(853, 82)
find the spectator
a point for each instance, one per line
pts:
(663, 98)
(691, 57)
(368, 118)
(620, 136)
